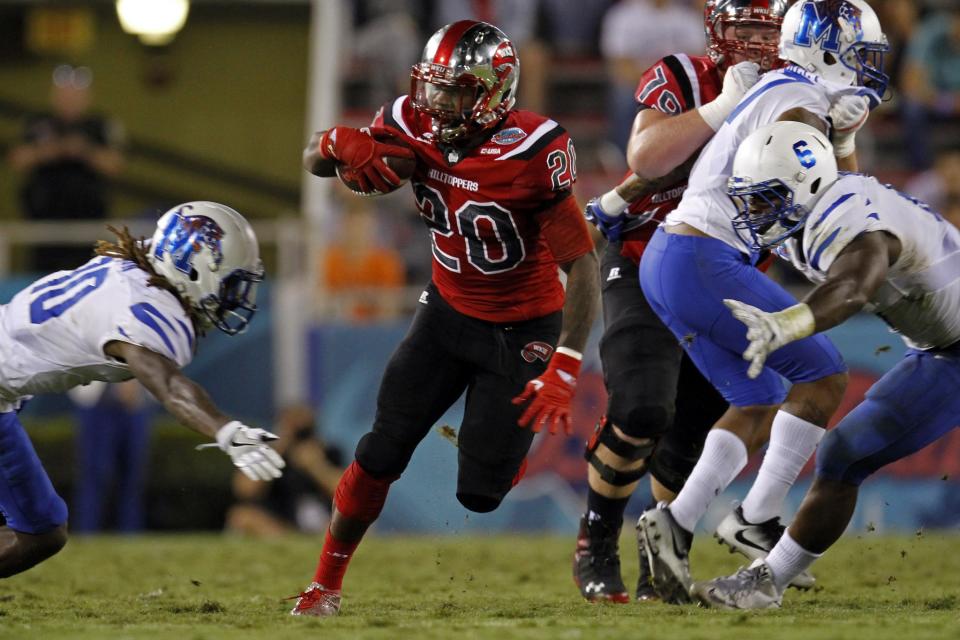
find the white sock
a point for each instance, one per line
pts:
(724, 456)
(787, 560)
(792, 442)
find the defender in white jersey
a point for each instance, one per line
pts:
(868, 247)
(696, 259)
(134, 311)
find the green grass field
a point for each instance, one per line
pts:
(208, 587)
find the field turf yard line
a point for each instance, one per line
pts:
(458, 588)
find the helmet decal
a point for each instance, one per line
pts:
(185, 235)
(826, 29)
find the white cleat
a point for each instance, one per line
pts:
(756, 540)
(667, 547)
(750, 588)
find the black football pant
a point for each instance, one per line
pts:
(445, 354)
(654, 390)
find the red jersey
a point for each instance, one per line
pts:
(673, 85)
(486, 211)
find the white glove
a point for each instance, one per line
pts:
(848, 114)
(247, 448)
(736, 82)
(767, 332)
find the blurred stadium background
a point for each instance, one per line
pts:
(221, 111)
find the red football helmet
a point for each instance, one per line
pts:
(466, 80)
(719, 15)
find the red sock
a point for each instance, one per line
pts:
(334, 559)
(359, 497)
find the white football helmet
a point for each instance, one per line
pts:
(209, 252)
(779, 173)
(839, 40)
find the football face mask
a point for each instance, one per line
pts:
(766, 213)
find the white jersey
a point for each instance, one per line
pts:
(705, 204)
(920, 298)
(53, 332)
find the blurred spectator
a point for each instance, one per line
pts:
(300, 500)
(931, 82)
(67, 157)
(635, 34)
(387, 39)
(112, 443)
(899, 19)
(940, 186)
(521, 20)
(364, 278)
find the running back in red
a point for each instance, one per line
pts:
(485, 212)
(675, 84)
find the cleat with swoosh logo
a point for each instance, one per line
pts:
(756, 540)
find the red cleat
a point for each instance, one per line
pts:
(317, 601)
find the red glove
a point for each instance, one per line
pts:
(550, 394)
(362, 155)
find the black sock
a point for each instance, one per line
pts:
(608, 510)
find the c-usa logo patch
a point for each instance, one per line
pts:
(510, 136)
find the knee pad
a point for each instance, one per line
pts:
(671, 470)
(605, 435)
(382, 456)
(835, 456)
(675, 457)
(478, 503)
(848, 452)
(641, 421)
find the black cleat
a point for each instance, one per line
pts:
(596, 563)
(645, 590)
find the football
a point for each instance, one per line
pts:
(403, 167)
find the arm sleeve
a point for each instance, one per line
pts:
(565, 231)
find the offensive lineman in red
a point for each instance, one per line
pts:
(660, 406)
(493, 185)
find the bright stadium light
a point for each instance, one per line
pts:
(155, 22)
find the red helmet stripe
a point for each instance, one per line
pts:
(450, 40)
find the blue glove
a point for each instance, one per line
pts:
(610, 226)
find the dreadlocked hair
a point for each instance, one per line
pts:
(129, 248)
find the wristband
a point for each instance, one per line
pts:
(714, 113)
(844, 145)
(612, 204)
(225, 433)
(797, 322)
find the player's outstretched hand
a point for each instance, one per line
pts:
(767, 332)
(550, 395)
(362, 154)
(609, 225)
(248, 449)
(740, 78)
(848, 115)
